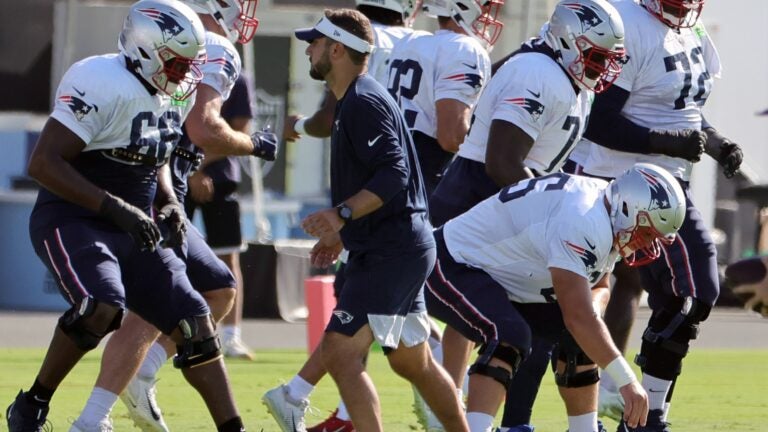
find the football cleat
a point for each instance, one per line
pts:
(139, 398)
(333, 424)
(600, 427)
(654, 423)
(23, 416)
(610, 404)
(518, 428)
(424, 414)
(102, 426)
(287, 412)
(235, 348)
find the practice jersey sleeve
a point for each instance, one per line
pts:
(570, 248)
(376, 143)
(83, 103)
(461, 74)
(223, 65)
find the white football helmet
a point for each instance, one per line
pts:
(407, 8)
(588, 37)
(479, 18)
(675, 13)
(647, 205)
(165, 43)
(236, 17)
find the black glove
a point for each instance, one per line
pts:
(172, 224)
(132, 220)
(683, 143)
(727, 153)
(265, 145)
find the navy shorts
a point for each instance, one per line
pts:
(384, 289)
(221, 217)
(475, 305)
(464, 184)
(93, 258)
(687, 267)
(205, 270)
(432, 160)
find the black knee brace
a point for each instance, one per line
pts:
(667, 338)
(200, 346)
(504, 353)
(89, 321)
(570, 353)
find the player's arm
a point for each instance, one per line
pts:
(601, 293)
(452, 123)
(608, 128)
(50, 164)
(505, 153)
(727, 153)
(209, 131)
(589, 331)
(317, 125)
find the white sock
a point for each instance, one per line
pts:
(657, 390)
(343, 414)
(437, 353)
(583, 423)
(479, 422)
(607, 382)
(666, 411)
(98, 407)
(299, 388)
(155, 359)
(229, 332)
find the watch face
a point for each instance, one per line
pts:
(345, 213)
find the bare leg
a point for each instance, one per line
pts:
(456, 353)
(233, 316)
(124, 353)
(434, 384)
(61, 357)
(344, 358)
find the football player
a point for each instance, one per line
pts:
(653, 113)
(116, 120)
(225, 22)
(526, 122)
(547, 244)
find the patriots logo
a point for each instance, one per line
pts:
(659, 195)
(473, 80)
(226, 66)
(587, 256)
(78, 106)
(168, 25)
(343, 316)
(587, 15)
(534, 107)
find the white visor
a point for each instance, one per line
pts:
(325, 28)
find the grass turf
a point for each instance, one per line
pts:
(719, 390)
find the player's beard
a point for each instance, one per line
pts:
(322, 68)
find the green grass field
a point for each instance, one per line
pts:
(720, 391)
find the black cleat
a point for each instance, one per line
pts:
(23, 416)
(654, 424)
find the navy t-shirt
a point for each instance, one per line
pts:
(372, 149)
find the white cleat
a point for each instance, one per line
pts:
(610, 404)
(235, 348)
(288, 412)
(102, 426)
(139, 398)
(426, 417)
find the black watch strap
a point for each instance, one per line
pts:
(344, 212)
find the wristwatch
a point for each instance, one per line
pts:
(344, 212)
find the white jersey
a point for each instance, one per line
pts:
(223, 65)
(669, 76)
(384, 40)
(532, 92)
(516, 236)
(424, 70)
(108, 107)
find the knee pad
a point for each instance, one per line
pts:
(89, 321)
(667, 338)
(504, 353)
(201, 344)
(570, 353)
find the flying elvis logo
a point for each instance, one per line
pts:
(587, 256)
(78, 106)
(534, 107)
(659, 195)
(168, 25)
(587, 15)
(472, 80)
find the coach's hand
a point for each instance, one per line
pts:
(684, 143)
(135, 222)
(322, 223)
(635, 404)
(326, 251)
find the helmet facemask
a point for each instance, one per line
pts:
(178, 76)
(676, 14)
(236, 17)
(596, 68)
(479, 18)
(642, 238)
